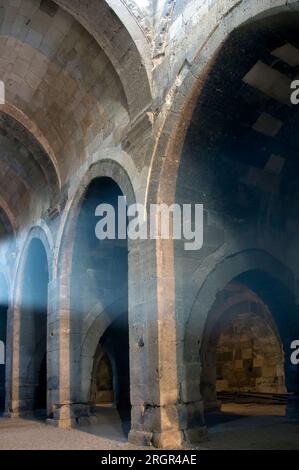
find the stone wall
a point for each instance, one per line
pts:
(112, 89)
(249, 357)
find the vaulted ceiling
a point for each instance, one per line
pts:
(62, 97)
(245, 131)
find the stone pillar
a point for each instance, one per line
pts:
(21, 376)
(58, 353)
(208, 383)
(11, 369)
(64, 408)
(20, 386)
(191, 403)
(158, 416)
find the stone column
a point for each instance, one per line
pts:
(156, 416)
(59, 399)
(208, 389)
(64, 407)
(12, 367)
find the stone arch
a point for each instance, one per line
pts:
(39, 239)
(133, 68)
(103, 364)
(223, 316)
(41, 232)
(10, 216)
(251, 263)
(173, 123)
(93, 332)
(61, 145)
(104, 168)
(96, 322)
(14, 115)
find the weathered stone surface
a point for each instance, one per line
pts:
(177, 102)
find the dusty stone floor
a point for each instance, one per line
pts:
(25, 434)
(237, 427)
(251, 426)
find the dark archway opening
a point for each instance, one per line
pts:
(111, 381)
(41, 389)
(33, 331)
(103, 390)
(246, 350)
(100, 268)
(239, 161)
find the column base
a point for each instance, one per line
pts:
(196, 435)
(72, 422)
(168, 427)
(161, 440)
(169, 439)
(140, 438)
(71, 415)
(20, 414)
(11, 414)
(61, 423)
